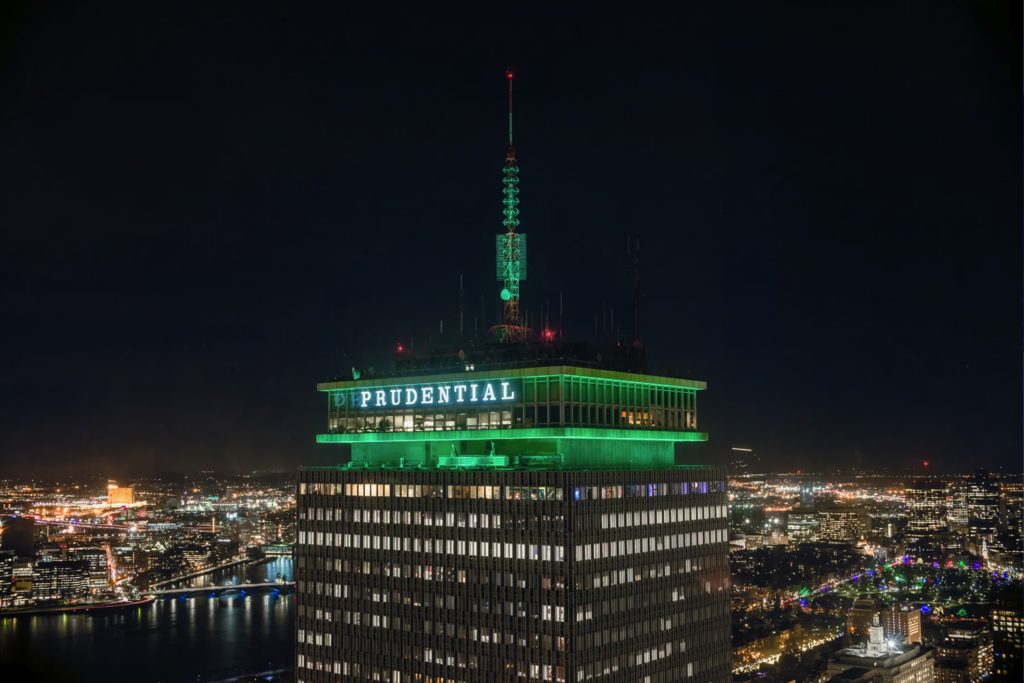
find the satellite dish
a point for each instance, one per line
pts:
(355, 374)
(462, 355)
(505, 295)
(370, 370)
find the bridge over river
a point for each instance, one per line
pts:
(280, 586)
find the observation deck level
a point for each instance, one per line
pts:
(549, 414)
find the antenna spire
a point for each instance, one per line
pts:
(509, 74)
(511, 247)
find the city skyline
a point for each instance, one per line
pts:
(189, 228)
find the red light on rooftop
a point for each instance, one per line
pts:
(509, 74)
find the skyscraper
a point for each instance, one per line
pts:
(926, 509)
(802, 526)
(99, 565)
(7, 560)
(60, 580)
(513, 511)
(806, 494)
(1008, 634)
(956, 505)
(842, 525)
(513, 523)
(982, 511)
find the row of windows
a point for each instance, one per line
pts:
(543, 672)
(516, 608)
(374, 490)
(474, 520)
(517, 551)
(541, 402)
(531, 670)
(708, 582)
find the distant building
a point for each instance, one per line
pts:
(99, 565)
(951, 671)
(1011, 513)
(982, 512)
(842, 525)
(1011, 502)
(1007, 625)
(903, 623)
(19, 536)
(956, 505)
(926, 509)
(197, 556)
(859, 620)
(889, 662)
(806, 495)
(854, 674)
(124, 495)
(802, 526)
(21, 590)
(60, 580)
(7, 559)
(965, 654)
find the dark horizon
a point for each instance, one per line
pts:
(211, 210)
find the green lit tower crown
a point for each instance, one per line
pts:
(510, 512)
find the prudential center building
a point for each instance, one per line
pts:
(513, 512)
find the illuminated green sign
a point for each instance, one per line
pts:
(445, 394)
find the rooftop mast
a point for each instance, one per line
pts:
(511, 248)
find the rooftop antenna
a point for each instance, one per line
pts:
(510, 248)
(462, 307)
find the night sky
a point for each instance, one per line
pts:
(206, 210)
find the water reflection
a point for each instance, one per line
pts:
(168, 641)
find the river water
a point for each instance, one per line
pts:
(168, 641)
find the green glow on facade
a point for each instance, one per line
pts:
(472, 461)
(506, 434)
(509, 330)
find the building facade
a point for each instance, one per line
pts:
(842, 525)
(123, 495)
(982, 512)
(802, 526)
(60, 580)
(889, 662)
(99, 565)
(902, 622)
(925, 504)
(1007, 632)
(538, 531)
(859, 618)
(7, 560)
(966, 653)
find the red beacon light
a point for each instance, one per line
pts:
(509, 74)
